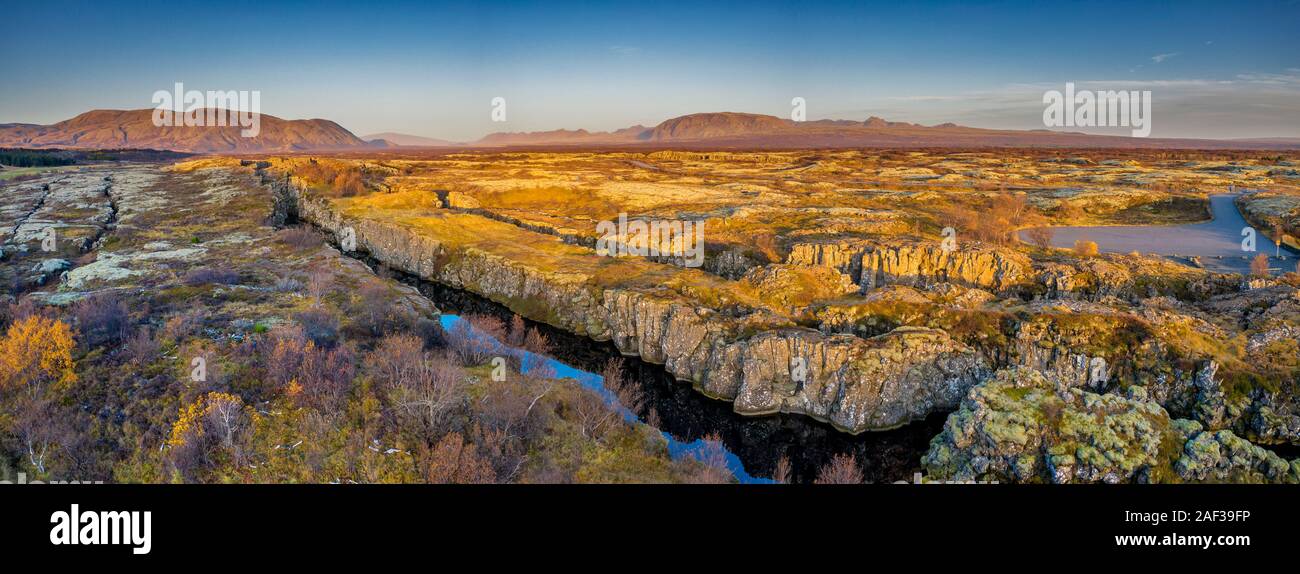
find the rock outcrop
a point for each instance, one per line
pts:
(873, 265)
(756, 361)
(1021, 427)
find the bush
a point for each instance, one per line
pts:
(1041, 236)
(207, 275)
(1085, 248)
(1259, 266)
(300, 237)
(101, 319)
(475, 339)
(842, 469)
(319, 325)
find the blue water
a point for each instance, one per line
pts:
(1217, 242)
(676, 448)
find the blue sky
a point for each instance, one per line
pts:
(1225, 69)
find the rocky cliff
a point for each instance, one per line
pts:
(760, 363)
(874, 264)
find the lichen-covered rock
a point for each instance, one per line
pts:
(874, 265)
(792, 286)
(760, 363)
(1021, 427)
(1221, 456)
(855, 385)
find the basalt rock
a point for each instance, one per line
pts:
(758, 362)
(873, 265)
(1022, 427)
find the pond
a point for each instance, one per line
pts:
(1217, 243)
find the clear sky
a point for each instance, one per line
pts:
(1215, 69)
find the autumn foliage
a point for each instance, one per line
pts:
(35, 352)
(1085, 248)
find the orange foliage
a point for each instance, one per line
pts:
(189, 424)
(1085, 248)
(36, 351)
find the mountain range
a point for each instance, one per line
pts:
(111, 129)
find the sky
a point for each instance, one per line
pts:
(1214, 69)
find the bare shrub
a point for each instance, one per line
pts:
(141, 348)
(17, 311)
(287, 284)
(300, 237)
(101, 319)
(311, 375)
(1041, 236)
(454, 461)
(319, 325)
(628, 393)
(208, 275)
(425, 392)
(475, 339)
(1070, 212)
(395, 359)
(325, 377)
(593, 413)
(183, 325)
(782, 473)
(319, 283)
(842, 469)
(375, 312)
(283, 354)
(712, 457)
(518, 331)
(1259, 266)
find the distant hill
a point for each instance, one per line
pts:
(757, 131)
(395, 138)
(116, 129)
(561, 137)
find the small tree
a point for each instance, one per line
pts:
(36, 353)
(1259, 266)
(1041, 236)
(843, 469)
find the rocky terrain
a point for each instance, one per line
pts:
(864, 290)
(828, 299)
(180, 331)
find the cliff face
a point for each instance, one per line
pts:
(855, 384)
(874, 265)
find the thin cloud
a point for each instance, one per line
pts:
(1160, 58)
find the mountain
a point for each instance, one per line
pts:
(113, 129)
(719, 125)
(397, 139)
(757, 131)
(562, 137)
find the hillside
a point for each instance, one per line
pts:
(115, 129)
